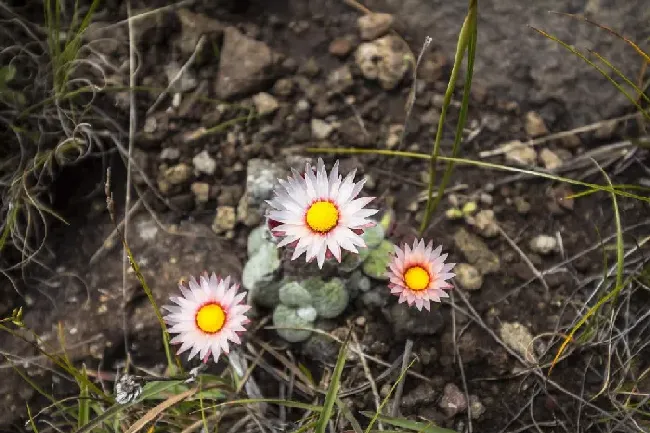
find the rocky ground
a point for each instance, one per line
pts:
(313, 74)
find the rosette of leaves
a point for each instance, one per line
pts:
(373, 237)
(260, 272)
(289, 319)
(302, 302)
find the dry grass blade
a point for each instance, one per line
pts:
(620, 263)
(420, 427)
(595, 66)
(609, 30)
(159, 409)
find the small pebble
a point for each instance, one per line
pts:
(468, 277)
(543, 244)
(486, 199)
(340, 47)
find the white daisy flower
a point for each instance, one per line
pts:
(418, 275)
(318, 215)
(208, 315)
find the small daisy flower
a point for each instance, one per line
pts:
(320, 215)
(418, 275)
(208, 315)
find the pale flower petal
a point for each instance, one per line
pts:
(430, 263)
(184, 318)
(315, 213)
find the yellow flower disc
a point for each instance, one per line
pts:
(417, 278)
(322, 216)
(210, 318)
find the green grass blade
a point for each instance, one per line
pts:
(165, 334)
(9, 224)
(305, 428)
(598, 68)
(84, 402)
(376, 416)
(462, 117)
(629, 82)
(409, 425)
(333, 389)
(461, 47)
(620, 263)
(32, 423)
(481, 164)
(278, 401)
(638, 49)
(347, 413)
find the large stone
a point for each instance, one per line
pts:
(244, 64)
(261, 177)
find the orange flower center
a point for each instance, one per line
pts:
(210, 318)
(417, 278)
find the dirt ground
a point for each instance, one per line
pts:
(303, 59)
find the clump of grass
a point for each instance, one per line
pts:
(608, 322)
(49, 125)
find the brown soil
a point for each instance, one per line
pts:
(86, 298)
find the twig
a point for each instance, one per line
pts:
(525, 258)
(563, 263)
(460, 362)
(541, 140)
(536, 371)
(127, 199)
(143, 15)
(371, 380)
(412, 94)
(408, 347)
(179, 74)
(109, 241)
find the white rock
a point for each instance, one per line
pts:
(265, 103)
(204, 163)
(224, 220)
(321, 129)
(201, 191)
(518, 338)
(543, 244)
(486, 224)
(519, 153)
(170, 154)
(534, 124)
(550, 159)
(394, 135)
(468, 277)
(384, 59)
